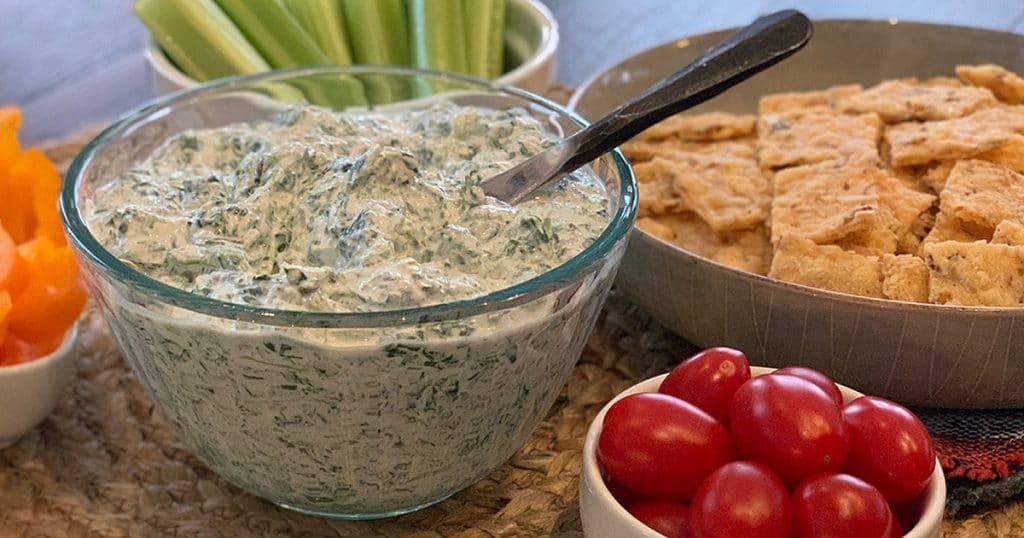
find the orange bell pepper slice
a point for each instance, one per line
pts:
(53, 297)
(44, 180)
(17, 207)
(13, 270)
(10, 119)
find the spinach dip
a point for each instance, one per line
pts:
(351, 212)
(322, 211)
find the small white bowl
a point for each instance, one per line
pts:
(29, 391)
(604, 517)
(529, 21)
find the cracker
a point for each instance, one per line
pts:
(982, 194)
(827, 98)
(904, 203)
(910, 177)
(904, 278)
(801, 261)
(942, 81)
(910, 241)
(1010, 154)
(639, 150)
(833, 202)
(1009, 232)
(746, 250)
(701, 127)
(654, 180)
(871, 233)
(920, 143)
(728, 192)
(1006, 85)
(935, 175)
(898, 100)
(947, 228)
(652, 226)
(975, 274)
(795, 137)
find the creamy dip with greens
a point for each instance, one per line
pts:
(340, 213)
(351, 212)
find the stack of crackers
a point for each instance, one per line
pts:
(909, 190)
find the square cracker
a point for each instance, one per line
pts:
(657, 196)
(808, 136)
(981, 195)
(948, 228)
(901, 100)
(975, 274)
(728, 192)
(639, 151)
(935, 175)
(746, 250)
(1010, 154)
(701, 127)
(802, 261)
(1005, 84)
(1009, 232)
(834, 202)
(904, 278)
(904, 202)
(827, 98)
(913, 143)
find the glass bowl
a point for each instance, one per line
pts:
(350, 415)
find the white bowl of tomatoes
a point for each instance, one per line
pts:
(719, 448)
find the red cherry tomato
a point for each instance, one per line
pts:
(889, 448)
(709, 379)
(621, 494)
(819, 379)
(659, 446)
(741, 498)
(896, 529)
(909, 513)
(832, 505)
(668, 518)
(790, 425)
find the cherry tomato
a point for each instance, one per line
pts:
(709, 379)
(889, 448)
(833, 505)
(896, 529)
(741, 498)
(660, 446)
(668, 518)
(790, 425)
(819, 379)
(621, 494)
(909, 513)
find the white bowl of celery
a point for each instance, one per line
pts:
(194, 41)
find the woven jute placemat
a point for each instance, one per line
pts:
(106, 464)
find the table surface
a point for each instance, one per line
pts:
(70, 63)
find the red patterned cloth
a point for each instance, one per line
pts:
(982, 454)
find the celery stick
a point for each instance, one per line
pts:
(485, 33)
(378, 31)
(274, 32)
(438, 35)
(324, 21)
(199, 38)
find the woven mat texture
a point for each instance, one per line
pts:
(106, 464)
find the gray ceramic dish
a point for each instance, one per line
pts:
(917, 354)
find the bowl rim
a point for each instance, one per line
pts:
(80, 236)
(590, 84)
(935, 493)
(538, 12)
